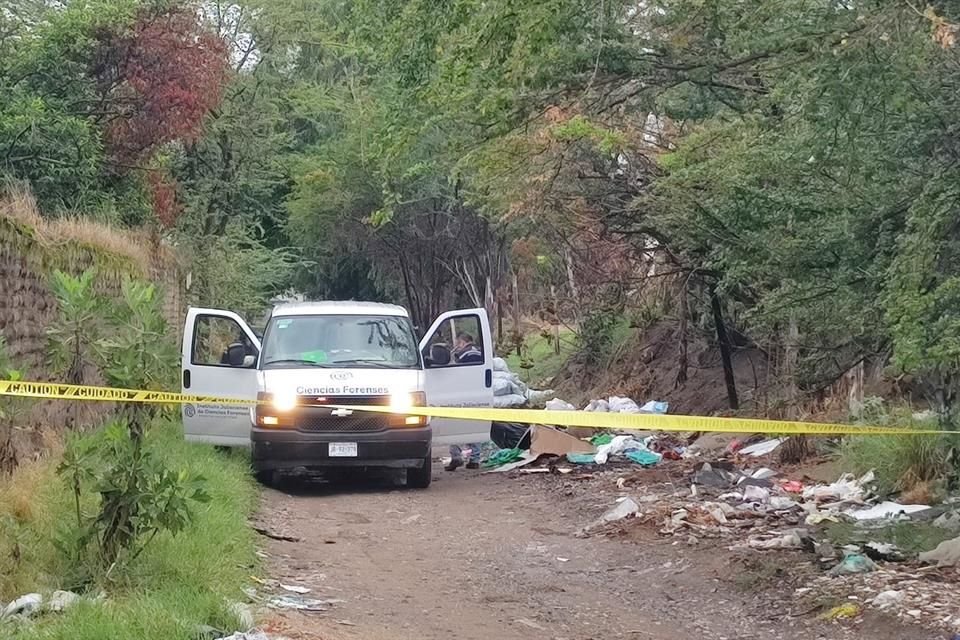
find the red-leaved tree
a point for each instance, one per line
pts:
(157, 82)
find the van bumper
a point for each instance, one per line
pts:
(288, 450)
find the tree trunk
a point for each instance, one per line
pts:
(682, 359)
(725, 349)
(516, 315)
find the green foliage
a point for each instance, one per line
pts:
(9, 407)
(176, 584)
(73, 336)
(138, 352)
(539, 362)
(597, 336)
(140, 497)
(608, 141)
(903, 462)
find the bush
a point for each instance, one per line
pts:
(904, 462)
(596, 336)
(177, 582)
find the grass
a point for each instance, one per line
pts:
(910, 537)
(921, 463)
(177, 584)
(540, 362)
(135, 247)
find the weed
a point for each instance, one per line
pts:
(903, 462)
(910, 537)
(177, 582)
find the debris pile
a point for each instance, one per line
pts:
(843, 530)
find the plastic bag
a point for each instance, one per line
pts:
(622, 405)
(507, 435)
(559, 405)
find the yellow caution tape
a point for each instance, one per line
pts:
(57, 391)
(649, 422)
(593, 420)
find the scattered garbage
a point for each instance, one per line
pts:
(853, 563)
(625, 508)
(762, 448)
(502, 457)
(292, 588)
(243, 615)
(949, 521)
(582, 458)
(720, 475)
(62, 600)
(791, 540)
(559, 405)
(644, 457)
(884, 510)
(24, 606)
(792, 486)
(884, 551)
(508, 435)
(886, 599)
(301, 603)
(946, 554)
(844, 611)
(247, 635)
(550, 441)
(846, 489)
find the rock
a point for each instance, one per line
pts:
(947, 554)
(886, 599)
(24, 606)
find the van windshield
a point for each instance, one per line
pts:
(340, 341)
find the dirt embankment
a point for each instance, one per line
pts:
(646, 367)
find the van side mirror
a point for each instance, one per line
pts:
(439, 356)
(236, 355)
(249, 361)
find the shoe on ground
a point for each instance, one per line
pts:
(453, 465)
(473, 464)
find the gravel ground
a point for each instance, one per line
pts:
(488, 556)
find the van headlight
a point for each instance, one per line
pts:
(284, 401)
(401, 402)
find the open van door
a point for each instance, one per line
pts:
(466, 381)
(219, 358)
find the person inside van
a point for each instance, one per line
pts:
(465, 351)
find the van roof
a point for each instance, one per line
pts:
(332, 307)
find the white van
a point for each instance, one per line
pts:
(316, 354)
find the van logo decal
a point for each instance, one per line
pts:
(341, 413)
(341, 375)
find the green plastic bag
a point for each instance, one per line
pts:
(502, 457)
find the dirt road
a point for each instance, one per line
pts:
(485, 556)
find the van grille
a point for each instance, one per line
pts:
(317, 418)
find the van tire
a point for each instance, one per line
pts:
(420, 477)
(266, 478)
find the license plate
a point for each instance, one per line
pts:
(342, 450)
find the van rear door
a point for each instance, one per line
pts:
(219, 357)
(464, 381)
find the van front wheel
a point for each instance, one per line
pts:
(266, 478)
(420, 477)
